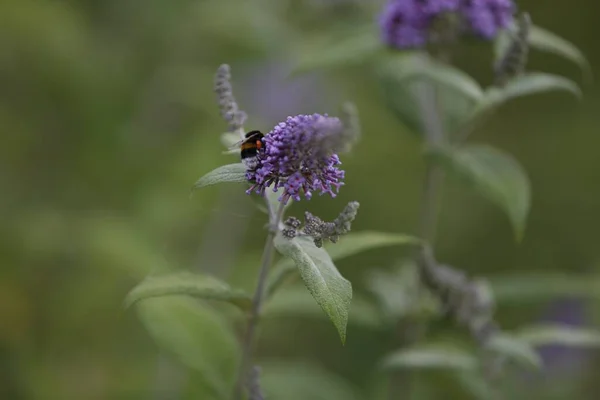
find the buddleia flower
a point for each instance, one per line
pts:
(411, 24)
(300, 156)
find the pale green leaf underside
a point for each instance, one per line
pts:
(327, 286)
(431, 357)
(515, 348)
(408, 80)
(436, 356)
(544, 40)
(197, 336)
(225, 173)
(187, 283)
(525, 85)
(348, 245)
(410, 67)
(541, 335)
(347, 47)
(494, 174)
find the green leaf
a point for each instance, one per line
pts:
(494, 174)
(409, 67)
(410, 82)
(178, 283)
(400, 294)
(544, 40)
(541, 335)
(431, 356)
(297, 301)
(303, 381)
(349, 46)
(515, 348)
(225, 173)
(523, 85)
(197, 336)
(541, 286)
(327, 286)
(348, 245)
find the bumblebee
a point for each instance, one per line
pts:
(249, 148)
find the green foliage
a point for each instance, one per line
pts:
(187, 283)
(494, 174)
(524, 85)
(544, 40)
(400, 294)
(302, 381)
(411, 81)
(349, 245)
(197, 336)
(540, 335)
(295, 301)
(431, 356)
(328, 287)
(224, 173)
(515, 348)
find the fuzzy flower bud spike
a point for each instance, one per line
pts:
(320, 230)
(227, 104)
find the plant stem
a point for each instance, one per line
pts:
(257, 302)
(400, 386)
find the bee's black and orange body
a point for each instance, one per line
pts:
(250, 147)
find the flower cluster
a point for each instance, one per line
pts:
(299, 155)
(409, 23)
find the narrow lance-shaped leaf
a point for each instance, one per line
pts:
(198, 336)
(201, 286)
(546, 334)
(348, 245)
(407, 67)
(494, 174)
(225, 173)
(524, 85)
(407, 81)
(431, 356)
(544, 40)
(515, 348)
(327, 286)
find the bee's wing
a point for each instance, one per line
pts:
(234, 148)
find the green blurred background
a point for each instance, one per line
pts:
(108, 116)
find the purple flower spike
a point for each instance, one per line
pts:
(299, 156)
(403, 25)
(485, 18)
(407, 24)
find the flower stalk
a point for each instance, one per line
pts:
(257, 303)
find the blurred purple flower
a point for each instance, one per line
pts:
(485, 18)
(267, 91)
(407, 24)
(299, 155)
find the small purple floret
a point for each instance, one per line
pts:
(406, 24)
(299, 156)
(485, 18)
